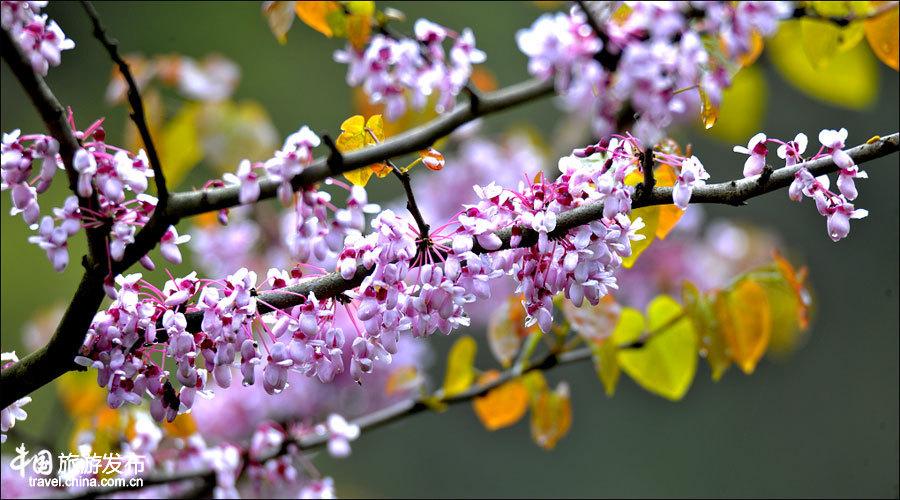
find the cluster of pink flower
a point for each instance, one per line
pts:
(40, 38)
(641, 65)
(391, 67)
(835, 206)
(315, 237)
(104, 170)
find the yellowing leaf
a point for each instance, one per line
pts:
(460, 366)
(592, 323)
(851, 80)
(432, 159)
(79, 393)
(744, 316)
(183, 426)
(359, 27)
(535, 384)
(756, 48)
(403, 379)
(551, 417)
(666, 363)
(280, 16)
(883, 35)
(743, 106)
(315, 15)
(709, 113)
(179, 144)
(650, 216)
(712, 344)
(502, 406)
(503, 335)
(669, 215)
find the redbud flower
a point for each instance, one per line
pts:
(791, 151)
(319, 489)
(248, 181)
(757, 150)
(692, 174)
(340, 433)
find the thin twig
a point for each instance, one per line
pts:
(134, 100)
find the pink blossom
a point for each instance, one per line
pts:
(757, 150)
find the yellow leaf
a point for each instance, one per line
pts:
(179, 144)
(650, 216)
(79, 393)
(628, 329)
(551, 416)
(883, 33)
(280, 16)
(460, 366)
(669, 215)
(604, 358)
(357, 133)
(709, 113)
(666, 363)
(851, 80)
(403, 379)
(315, 15)
(709, 336)
(744, 316)
(502, 406)
(743, 106)
(183, 426)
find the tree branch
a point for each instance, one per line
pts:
(134, 100)
(197, 202)
(735, 192)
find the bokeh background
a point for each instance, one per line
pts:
(824, 422)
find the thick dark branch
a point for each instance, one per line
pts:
(207, 200)
(134, 100)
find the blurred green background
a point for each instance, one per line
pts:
(823, 423)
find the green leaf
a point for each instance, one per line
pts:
(460, 366)
(851, 80)
(666, 363)
(709, 337)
